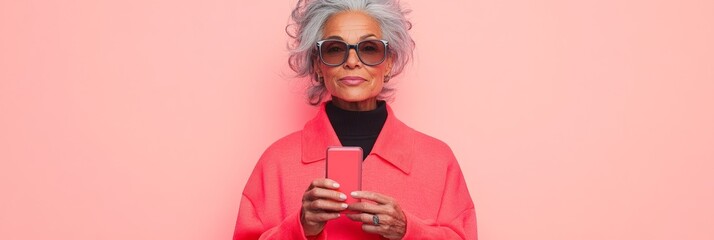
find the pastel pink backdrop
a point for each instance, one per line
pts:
(570, 119)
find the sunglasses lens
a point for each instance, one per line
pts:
(333, 52)
(371, 52)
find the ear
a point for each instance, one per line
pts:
(390, 63)
(316, 66)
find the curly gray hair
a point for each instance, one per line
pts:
(308, 18)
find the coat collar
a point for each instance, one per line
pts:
(394, 143)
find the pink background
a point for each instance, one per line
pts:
(571, 119)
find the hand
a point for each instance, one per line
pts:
(320, 203)
(392, 222)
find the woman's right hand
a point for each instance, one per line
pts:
(321, 203)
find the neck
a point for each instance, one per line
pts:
(366, 105)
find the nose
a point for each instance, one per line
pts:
(352, 59)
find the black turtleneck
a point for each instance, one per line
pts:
(357, 128)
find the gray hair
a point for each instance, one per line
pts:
(308, 18)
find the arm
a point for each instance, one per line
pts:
(457, 216)
(250, 226)
(462, 227)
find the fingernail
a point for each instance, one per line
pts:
(344, 205)
(343, 196)
(336, 185)
(354, 194)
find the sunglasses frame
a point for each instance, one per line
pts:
(352, 46)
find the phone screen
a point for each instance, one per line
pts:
(344, 165)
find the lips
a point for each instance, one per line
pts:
(352, 80)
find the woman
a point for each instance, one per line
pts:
(412, 186)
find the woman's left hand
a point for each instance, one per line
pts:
(391, 222)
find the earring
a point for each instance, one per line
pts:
(386, 78)
(319, 78)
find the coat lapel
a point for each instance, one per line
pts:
(394, 144)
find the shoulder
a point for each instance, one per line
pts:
(277, 156)
(285, 144)
(288, 146)
(430, 145)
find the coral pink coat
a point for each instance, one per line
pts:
(419, 171)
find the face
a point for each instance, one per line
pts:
(353, 83)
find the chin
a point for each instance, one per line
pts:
(354, 96)
(352, 99)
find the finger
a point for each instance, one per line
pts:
(367, 218)
(381, 230)
(360, 217)
(320, 216)
(322, 193)
(377, 197)
(327, 206)
(324, 183)
(367, 207)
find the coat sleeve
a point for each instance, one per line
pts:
(250, 227)
(259, 213)
(457, 215)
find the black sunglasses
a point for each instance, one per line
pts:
(335, 52)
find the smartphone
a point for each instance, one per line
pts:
(344, 165)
